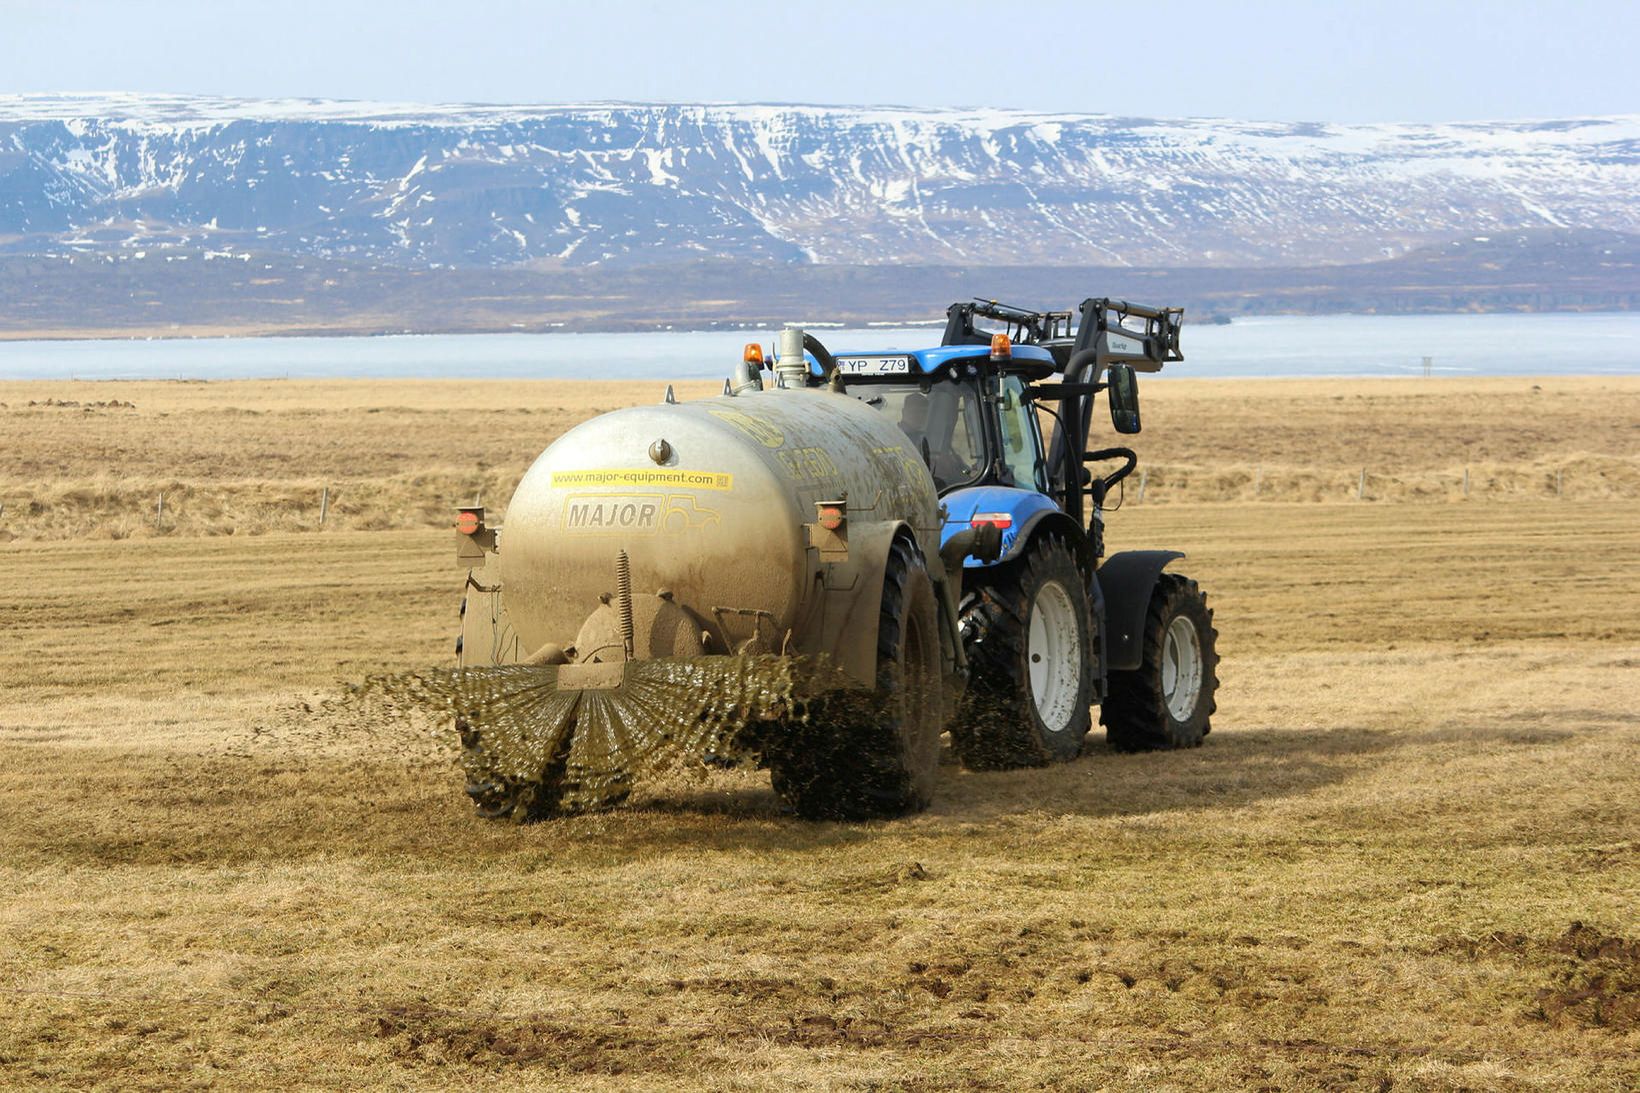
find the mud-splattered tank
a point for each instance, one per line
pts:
(750, 523)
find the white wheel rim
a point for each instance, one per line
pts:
(1181, 668)
(1054, 648)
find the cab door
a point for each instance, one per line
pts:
(1019, 438)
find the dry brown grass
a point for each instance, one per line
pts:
(1420, 782)
(252, 457)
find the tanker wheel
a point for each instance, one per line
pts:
(1169, 700)
(864, 755)
(1029, 638)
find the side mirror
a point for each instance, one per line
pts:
(1123, 393)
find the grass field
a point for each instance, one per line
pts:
(1407, 856)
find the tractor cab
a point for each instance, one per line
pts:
(976, 407)
(967, 413)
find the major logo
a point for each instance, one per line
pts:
(634, 514)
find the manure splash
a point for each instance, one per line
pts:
(530, 747)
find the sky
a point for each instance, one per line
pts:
(1374, 60)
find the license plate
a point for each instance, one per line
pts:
(874, 366)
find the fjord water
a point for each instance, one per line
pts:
(1325, 345)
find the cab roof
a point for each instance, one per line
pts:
(886, 364)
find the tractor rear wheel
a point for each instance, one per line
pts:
(867, 754)
(1169, 700)
(1030, 642)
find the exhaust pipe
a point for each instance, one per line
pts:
(792, 369)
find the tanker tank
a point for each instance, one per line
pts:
(717, 506)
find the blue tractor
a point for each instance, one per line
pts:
(1050, 626)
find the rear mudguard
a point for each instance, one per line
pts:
(1024, 510)
(1126, 581)
(1044, 522)
(853, 598)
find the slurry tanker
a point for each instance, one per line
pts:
(827, 567)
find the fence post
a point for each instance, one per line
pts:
(324, 504)
(1361, 487)
(1560, 488)
(1466, 481)
(159, 512)
(1144, 476)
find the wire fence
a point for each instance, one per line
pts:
(118, 509)
(1584, 481)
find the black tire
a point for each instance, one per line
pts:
(1000, 725)
(1136, 712)
(871, 754)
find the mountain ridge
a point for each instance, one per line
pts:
(632, 184)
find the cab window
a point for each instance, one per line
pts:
(1021, 450)
(946, 416)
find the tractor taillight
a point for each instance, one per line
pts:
(831, 517)
(1001, 347)
(1000, 520)
(467, 523)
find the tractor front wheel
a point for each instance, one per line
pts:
(1169, 700)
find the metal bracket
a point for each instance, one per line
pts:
(757, 615)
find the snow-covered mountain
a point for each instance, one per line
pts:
(634, 184)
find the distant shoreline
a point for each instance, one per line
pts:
(78, 297)
(1349, 346)
(211, 332)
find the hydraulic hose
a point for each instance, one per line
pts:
(1127, 454)
(828, 363)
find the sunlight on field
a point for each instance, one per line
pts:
(1407, 854)
(244, 458)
